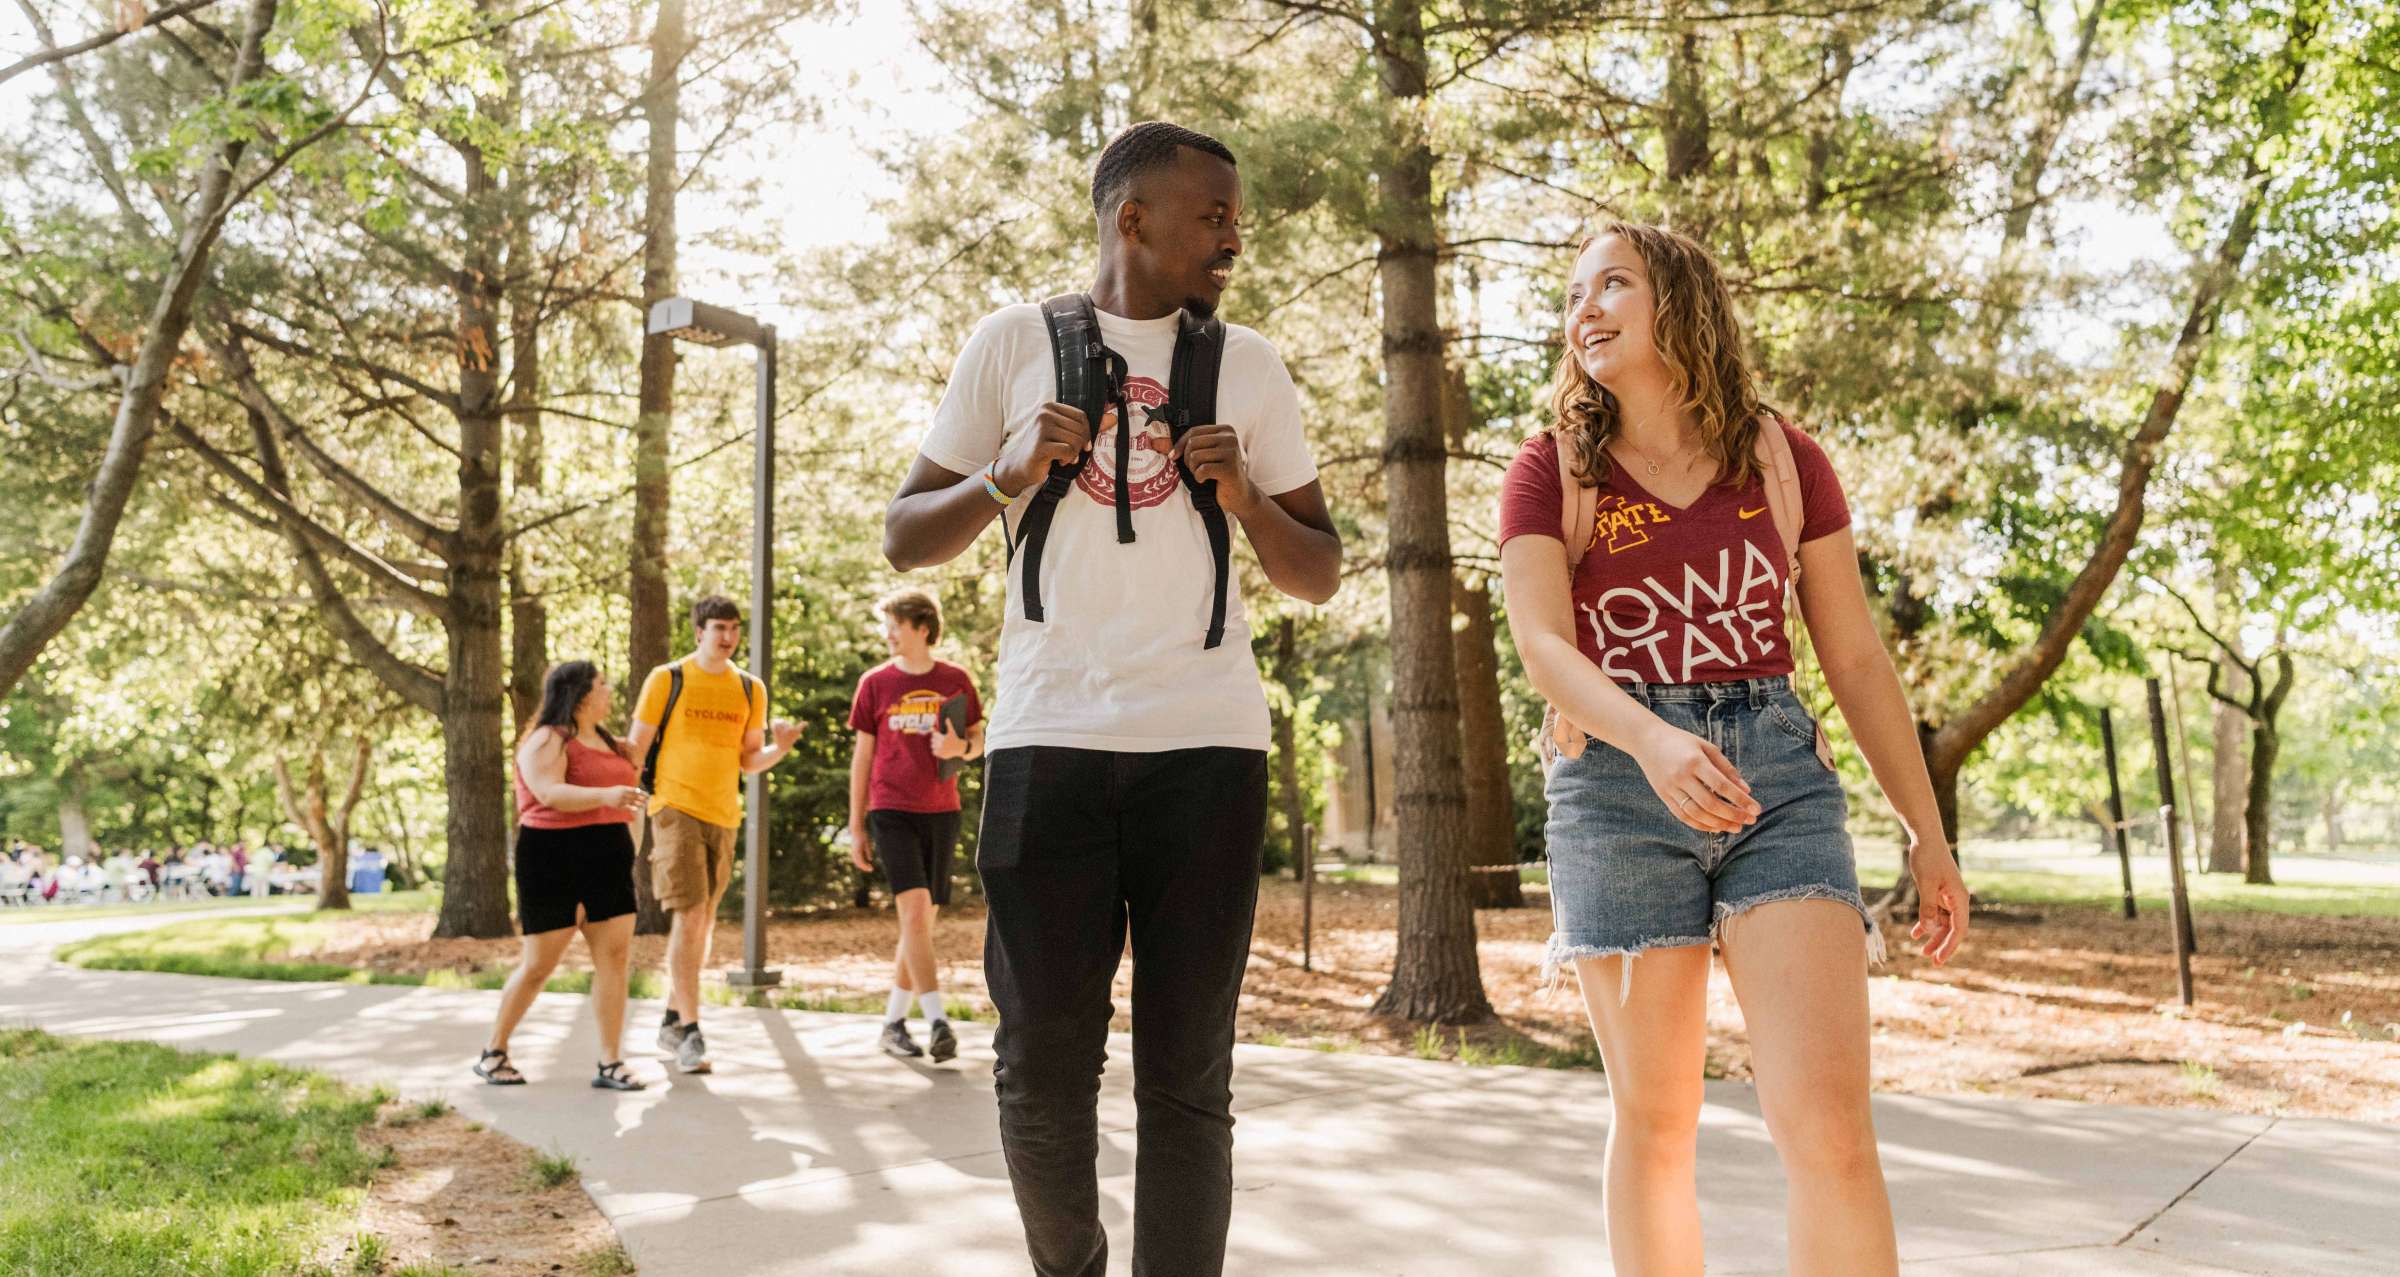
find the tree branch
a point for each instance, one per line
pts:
(104, 39)
(424, 532)
(379, 571)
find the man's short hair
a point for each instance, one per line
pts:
(1140, 151)
(914, 607)
(714, 607)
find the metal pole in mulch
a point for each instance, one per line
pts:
(2180, 903)
(2116, 807)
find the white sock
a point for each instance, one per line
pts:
(931, 1000)
(895, 1007)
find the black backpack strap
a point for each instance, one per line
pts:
(1077, 355)
(1192, 401)
(659, 738)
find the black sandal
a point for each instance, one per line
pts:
(613, 1077)
(493, 1067)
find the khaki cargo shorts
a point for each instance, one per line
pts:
(691, 860)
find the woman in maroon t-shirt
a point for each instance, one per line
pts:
(1698, 810)
(577, 794)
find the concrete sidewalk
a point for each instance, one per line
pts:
(809, 1152)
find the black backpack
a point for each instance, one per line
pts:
(1092, 377)
(667, 715)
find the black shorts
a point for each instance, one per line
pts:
(915, 847)
(558, 869)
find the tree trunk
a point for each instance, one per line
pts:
(2258, 813)
(333, 874)
(327, 824)
(474, 757)
(1483, 748)
(528, 615)
(1686, 124)
(74, 823)
(1434, 973)
(652, 615)
(39, 618)
(2265, 742)
(2049, 121)
(2230, 772)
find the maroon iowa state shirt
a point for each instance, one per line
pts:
(1667, 595)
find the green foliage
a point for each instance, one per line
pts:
(1969, 360)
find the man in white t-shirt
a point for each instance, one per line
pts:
(1126, 784)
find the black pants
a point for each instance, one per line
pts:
(1076, 845)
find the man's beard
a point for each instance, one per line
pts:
(1199, 308)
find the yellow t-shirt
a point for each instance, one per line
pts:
(700, 765)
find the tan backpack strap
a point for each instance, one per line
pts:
(1782, 475)
(1578, 505)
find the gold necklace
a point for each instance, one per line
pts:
(1651, 466)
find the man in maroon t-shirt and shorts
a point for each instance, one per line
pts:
(904, 805)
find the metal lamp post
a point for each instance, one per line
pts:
(705, 325)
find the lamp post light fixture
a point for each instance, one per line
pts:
(704, 325)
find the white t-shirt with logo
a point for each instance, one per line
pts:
(1119, 664)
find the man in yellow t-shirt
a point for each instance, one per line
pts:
(717, 734)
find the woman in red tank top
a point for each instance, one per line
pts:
(577, 797)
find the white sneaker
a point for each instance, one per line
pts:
(691, 1055)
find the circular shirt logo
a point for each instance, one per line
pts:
(1151, 476)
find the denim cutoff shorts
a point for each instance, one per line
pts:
(1627, 876)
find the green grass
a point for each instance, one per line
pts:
(958, 1009)
(382, 902)
(610, 1262)
(368, 1255)
(552, 1169)
(75, 913)
(244, 949)
(2209, 893)
(420, 1111)
(127, 1159)
(1389, 875)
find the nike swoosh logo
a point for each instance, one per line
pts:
(1752, 514)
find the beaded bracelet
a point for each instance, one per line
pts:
(993, 487)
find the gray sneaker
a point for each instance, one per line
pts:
(691, 1055)
(897, 1042)
(670, 1033)
(942, 1042)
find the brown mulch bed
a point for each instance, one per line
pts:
(459, 1196)
(2058, 1002)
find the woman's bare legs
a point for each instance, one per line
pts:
(542, 951)
(1654, 1046)
(611, 944)
(1799, 970)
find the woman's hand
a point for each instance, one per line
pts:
(1941, 925)
(1696, 781)
(629, 797)
(859, 850)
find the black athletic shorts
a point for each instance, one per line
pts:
(915, 847)
(558, 869)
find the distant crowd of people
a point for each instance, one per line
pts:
(31, 876)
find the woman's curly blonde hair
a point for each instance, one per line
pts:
(1700, 338)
